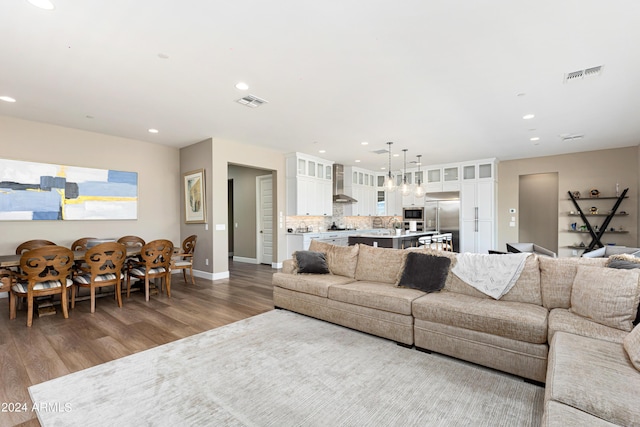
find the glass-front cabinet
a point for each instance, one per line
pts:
(308, 185)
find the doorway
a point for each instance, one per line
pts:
(538, 207)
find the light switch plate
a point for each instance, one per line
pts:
(220, 227)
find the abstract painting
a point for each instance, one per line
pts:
(194, 203)
(42, 191)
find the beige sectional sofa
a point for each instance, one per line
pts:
(511, 334)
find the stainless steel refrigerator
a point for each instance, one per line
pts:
(442, 214)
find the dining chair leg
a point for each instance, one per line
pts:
(65, 304)
(118, 293)
(29, 311)
(167, 279)
(13, 303)
(128, 285)
(93, 299)
(193, 282)
(146, 288)
(184, 274)
(73, 296)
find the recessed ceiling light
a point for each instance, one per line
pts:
(364, 143)
(242, 86)
(322, 151)
(153, 131)
(528, 116)
(42, 4)
(7, 99)
(357, 161)
(396, 155)
(384, 168)
(535, 138)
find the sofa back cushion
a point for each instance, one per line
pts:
(556, 278)
(380, 264)
(342, 260)
(606, 296)
(526, 289)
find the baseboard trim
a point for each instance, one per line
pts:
(276, 265)
(245, 260)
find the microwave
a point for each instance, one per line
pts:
(413, 214)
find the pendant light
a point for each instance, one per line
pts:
(405, 188)
(419, 190)
(389, 185)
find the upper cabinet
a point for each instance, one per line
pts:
(443, 178)
(361, 185)
(308, 183)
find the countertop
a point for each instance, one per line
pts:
(327, 233)
(394, 236)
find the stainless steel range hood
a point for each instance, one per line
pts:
(338, 186)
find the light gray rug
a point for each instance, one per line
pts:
(285, 369)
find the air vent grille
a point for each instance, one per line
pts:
(583, 74)
(572, 137)
(251, 101)
(381, 151)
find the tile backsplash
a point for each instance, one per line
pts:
(323, 223)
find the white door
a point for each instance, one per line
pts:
(264, 205)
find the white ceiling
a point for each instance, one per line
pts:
(440, 78)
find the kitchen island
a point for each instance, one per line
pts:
(401, 241)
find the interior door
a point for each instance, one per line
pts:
(265, 219)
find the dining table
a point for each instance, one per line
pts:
(13, 260)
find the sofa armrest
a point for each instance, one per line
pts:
(288, 266)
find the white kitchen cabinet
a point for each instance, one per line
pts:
(308, 185)
(361, 185)
(478, 207)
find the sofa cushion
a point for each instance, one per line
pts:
(593, 376)
(342, 260)
(515, 320)
(556, 278)
(631, 345)
(381, 296)
(560, 415)
(607, 296)
(562, 320)
(314, 284)
(380, 264)
(526, 288)
(425, 272)
(311, 262)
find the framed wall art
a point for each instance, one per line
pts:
(41, 191)
(195, 206)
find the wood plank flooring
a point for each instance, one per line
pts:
(55, 346)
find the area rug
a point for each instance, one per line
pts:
(284, 369)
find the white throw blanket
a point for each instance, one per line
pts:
(493, 275)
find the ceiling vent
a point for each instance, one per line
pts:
(381, 151)
(572, 137)
(251, 101)
(583, 74)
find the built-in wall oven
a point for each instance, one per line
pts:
(413, 214)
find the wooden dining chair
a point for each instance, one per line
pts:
(43, 271)
(81, 244)
(156, 264)
(105, 263)
(184, 260)
(32, 244)
(6, 279)
(130, 241)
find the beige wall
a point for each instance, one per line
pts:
(576, 172)
(158, 178)
(193, 157)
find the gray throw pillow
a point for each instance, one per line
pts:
(425, 272)
(311, 262)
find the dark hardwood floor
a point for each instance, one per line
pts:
(55, 346)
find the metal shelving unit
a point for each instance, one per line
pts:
(596, 234)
